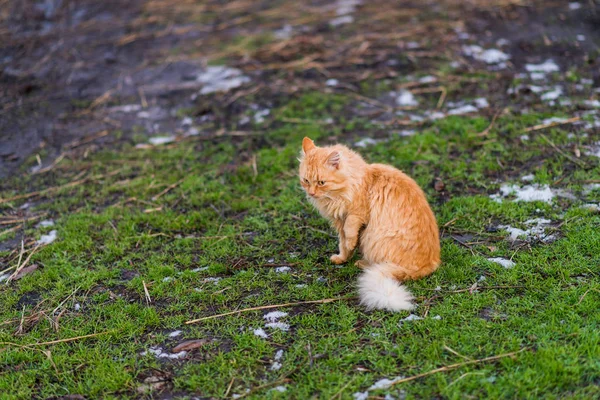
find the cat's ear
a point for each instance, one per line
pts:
(307, 144)
(334, 159)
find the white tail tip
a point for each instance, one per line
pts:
(378, 291)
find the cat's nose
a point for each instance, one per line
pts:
(311, 193)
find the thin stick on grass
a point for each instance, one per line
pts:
(21, 266)
(170, 187)
(71, 339)
(552, 124)
(551, 143)
(322, 301)
(455, 366)
(146, 293)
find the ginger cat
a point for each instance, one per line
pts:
(380, 207)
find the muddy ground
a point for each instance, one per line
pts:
(67, 67)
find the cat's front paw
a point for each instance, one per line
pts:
(337, 259)
(361, 264)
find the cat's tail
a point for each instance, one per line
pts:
(379, 290)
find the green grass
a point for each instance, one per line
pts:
(113, 239)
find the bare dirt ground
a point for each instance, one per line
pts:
(67, 67)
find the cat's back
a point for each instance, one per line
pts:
(383, 177)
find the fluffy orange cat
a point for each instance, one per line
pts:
(380, 207)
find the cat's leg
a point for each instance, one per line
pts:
(352, 227)
(344, 253)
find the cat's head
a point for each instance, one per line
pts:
(322, 170)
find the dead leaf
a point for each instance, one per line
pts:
(26, 271)
(439, 185)
(189, 345)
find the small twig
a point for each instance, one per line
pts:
(170, 187)
(339, 392)
(323, 301)
(576, 161)
(456, 353)
(551, 124)
(490, 126)
(454, 366)
(229, 387)
(21, 266)
(585, 294)
(443, 95)
(72, 339)
(146, 293)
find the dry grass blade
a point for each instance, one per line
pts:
(146, 293)
(455, 366)
(551, 124)
(21, 266)
(551, 143)
(323, 301)
(72, 339)
(170, 187)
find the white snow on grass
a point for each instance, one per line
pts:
(274, 315)
(552, 95)
(282, 270)
(158, 140)
(481, 102)
(591, 206)
(384, 383)
(536, 230)
(175, 333)
(427, 79)
(47, 239)
(199, 269)
(592, 103)
(411, 317)
(45, 224)
(280, 389)
(528, 178)
(361, 395)
(553, 119)
(489, 56)
(278, 355)
(537, 76)
(406, 99)
(259, 117)
(160, 353)
(260, 332)
(282, 326)
(127, 108)
(345, 19)
(463, 110)
(594, 150)
(331, 82)
(221, 79)
(502, 261)
(574, 6)
(547, 66)
(366, 142)
(527, 193)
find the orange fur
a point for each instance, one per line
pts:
(377, 207)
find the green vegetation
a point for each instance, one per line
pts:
(233, 208)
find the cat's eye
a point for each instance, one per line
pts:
(321, 183)
(305, 181)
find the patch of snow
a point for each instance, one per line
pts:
(406, 99)
(213, 280)
(581, 38)
(273, 316)
(47, 239)
(528, 178)
(45, 224)
(536, 76)
(553, 119)
(524, 137)
(463, 110)
(502, 261)
(592, 103)
(547, 66)
(407, 132)
(528, 193)
(4, 277)
(284, 33)
(77, 307)
(574, 6)
(427, 79)
(187, 121)
(436, 317)
(411, 317)
(221, 79)
(366, 142)
(259, 117)
(593, 151)
(481, 102)
(433, 115)
(536, 230)
(384, 383)
(438, 288)
(321, 279)
(175, 333)
(158, 140)
(331, 82)
(278, 355)
(260, 332)
(279, 389)
(199, 269)
(361, 395)
(586, 81)
(592, 206)
(413, 45)
(127, 108)
(282, 326)
(489, 56)
(301, 285)
(167, 279)
(553, 94)
(160, 353)
(345, 19)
